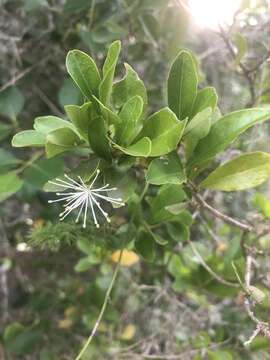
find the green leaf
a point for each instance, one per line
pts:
(169, 194)
(185, 218)
(264, 84)
(198, 121)
(85, 246)
(225, 131)
(63, 137)
(11, 102)
(81, 117)
(21, 340)
(46, 124)
(84, 72)
(197, 129)
(9, 185)
(69, 94)
(219, 355)
(47, 354)
(256, 294)
(53, 149)
(178, 231)
(164, 130)
(176, 267)
(129, 126)
(205, 98)
(39, 172)
(85, 264)
(145, 245)
(140, 148)
(28, 138)
(112, 57)
(261, 203)
(241, 45)
(109, 116)
(74, 6)
(61, 140)
(260, 343)
(7, 159)
(168, 170)
(34, 5)
(244, 172)
(85, 170)
(151, 27)
(158, 239)
(5, 130)
(182, 85)
(130, 86)
(97, 134)
(216, 115)
(125, 181)
(202, 340)
(108, 70)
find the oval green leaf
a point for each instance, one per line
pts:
(140, 148)
(206, 97)
(130, 115)
(84, 72)
(167, 170)
(164, 130)
(106, 84)
(9, 184)
(225, 131)
(244, 172)
(46, 124)
(28, 138)
(80, 117)
(182, 85)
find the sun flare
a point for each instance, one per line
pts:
(212, 13)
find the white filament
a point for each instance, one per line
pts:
(82, 196)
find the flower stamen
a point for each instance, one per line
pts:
(81, 196)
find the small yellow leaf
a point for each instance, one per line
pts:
(70, 311)
(128, 332)
(129, 258)
(64, 324)
(221, 248)
(38, 223)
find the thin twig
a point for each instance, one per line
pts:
(220, 215)
(181, 356)
(209, 230)
(16, 78)
(30, 162)
(260, 63)
(104, 306)
(21, 74)
(244, 69)
(261, 327)
(255, 333)
(207, 268)
(248, 270)
(47, 101)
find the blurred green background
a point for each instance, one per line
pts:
(51, 294)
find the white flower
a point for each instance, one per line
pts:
(82, 196)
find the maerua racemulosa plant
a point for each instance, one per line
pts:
(166, 153)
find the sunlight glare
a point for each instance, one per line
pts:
(211, 13)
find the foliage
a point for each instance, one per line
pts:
(145, 116)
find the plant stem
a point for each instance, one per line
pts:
(218, 214)
(29, 162)
(146, 186)
(104, 306)
(211, 272)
